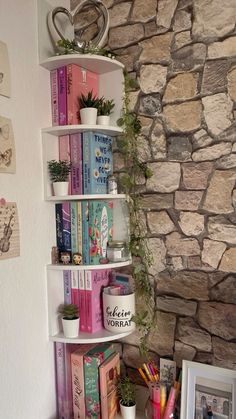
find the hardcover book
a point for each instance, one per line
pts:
(76, 164)
(94, 283)
(67, 286)
(77, 369)
(64, 153)
(82, 302)
(97, 162)
(74, 228)
(63, 226)
(100, 229)
(109, 374)
(54, 97)
(79, 80)
(92, 360)
(62, 95)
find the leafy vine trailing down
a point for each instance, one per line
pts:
(135, 169)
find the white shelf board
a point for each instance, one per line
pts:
(73, 129)
(85, 197)
(96, 63)
(101, 336)
(61, 267)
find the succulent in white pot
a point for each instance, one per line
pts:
(88, 105)
(59, 174)
(126, 392)
(104, 111)
(70, 320)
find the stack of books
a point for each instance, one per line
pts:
(84, 227)
(90, 154)
(87, 378)
(67, 85)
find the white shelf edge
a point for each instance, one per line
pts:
(61, 267)
(97, 63)
(85, 197)
(101, 336)
(72, 129)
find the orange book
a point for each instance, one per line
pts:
(109, 373)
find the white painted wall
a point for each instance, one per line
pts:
(26, 356)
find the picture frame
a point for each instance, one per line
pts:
(207, 391)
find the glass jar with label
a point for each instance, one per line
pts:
(112, 185)
(117, 251)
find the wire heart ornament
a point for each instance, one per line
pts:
(57, 35)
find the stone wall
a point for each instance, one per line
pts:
(183, 55)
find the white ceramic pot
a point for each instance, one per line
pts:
(117, 312)
(88, 116)
(128, 412)
(70, 328)
(103, 120)
(60, 188)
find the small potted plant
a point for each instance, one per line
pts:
(70, 320)
(126, 392)
(104, 111)
(59, 174)
(88, 105)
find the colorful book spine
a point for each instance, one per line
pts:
(79, 80)
(54, 97)
(94, 283)
(97, 162)
(77, 372)
(62, 95)
(75, 287)
(82, 302)
(67, 287)
(60, 378)
(64, 152)
(85, 231)
(92, 360)
(79, 227)
(59, 228)
(76, 162)
(66, 224)
(74, 228)
(100, 229)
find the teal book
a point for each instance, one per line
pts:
(97, 162)
(100, 229)
(92, 360)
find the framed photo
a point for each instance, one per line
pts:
(207, 392)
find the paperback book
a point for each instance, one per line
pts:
(109, 374)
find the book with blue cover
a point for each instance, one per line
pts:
(97, 162)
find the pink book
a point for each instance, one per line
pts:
(94, 282)
(79, 80)
(77, 379)
(75, 287)
(77, 164)
(109, 373)
(60, 378)
(64, 152)
(54, 97)
(82, 306)
(62, 95)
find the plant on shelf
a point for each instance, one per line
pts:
(70, 319)
(88, 105)
(135, 170)
(105, 108)
(70, 47)
(126, 393)
(59, 174)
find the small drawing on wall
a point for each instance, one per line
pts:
(7, 146)
(9, 230)
(5, 80)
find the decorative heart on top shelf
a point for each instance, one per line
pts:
(57, 35)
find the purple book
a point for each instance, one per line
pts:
(60, 377)
(67, 286)
(62, 95)
(66, 226)
(76, 161)
(54, 97)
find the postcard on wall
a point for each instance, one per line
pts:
(167, 371)
(9, 230)
(5, 80)
(7, 146)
